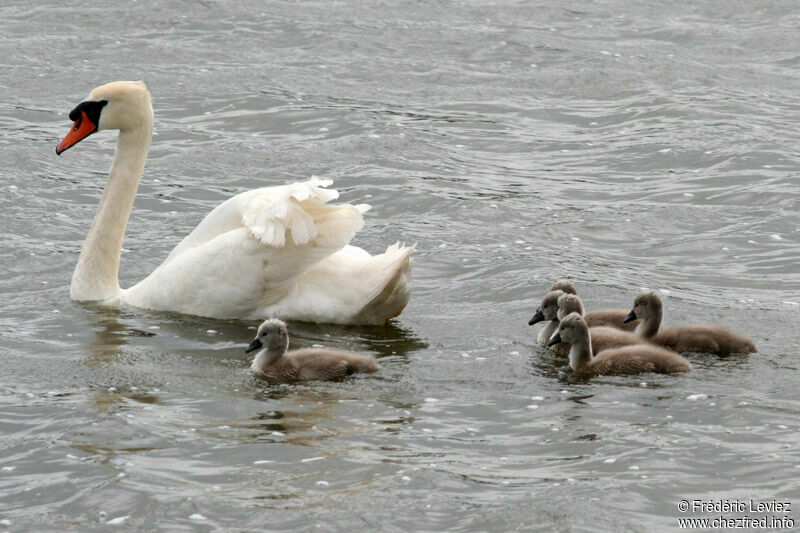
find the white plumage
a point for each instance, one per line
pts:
(275, 251)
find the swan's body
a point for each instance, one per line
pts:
(626, 360)
(274, 361)
(693, 338)
(612, 318)
(266, 252)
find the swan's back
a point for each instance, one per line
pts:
(319, 363)
(704, 339)
(280, 251)
(635, 360)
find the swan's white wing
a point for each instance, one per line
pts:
(294, 214)
(222, 278)
(349, 287)
(244, 255)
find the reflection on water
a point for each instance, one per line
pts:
(110, 334)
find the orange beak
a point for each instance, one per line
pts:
(82, 128)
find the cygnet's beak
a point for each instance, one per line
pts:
(538, 317)
(255, 345)
(555, 339)
(631, 316)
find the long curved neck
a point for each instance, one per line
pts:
(580, 354)
(649, 326)
(95, 275)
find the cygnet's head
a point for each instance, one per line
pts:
(564, 285)
(572, 329)
(273, 336)
(569, 303)
(548, 310)
(645, 305)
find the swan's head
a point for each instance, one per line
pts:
(646, 304)
(564, 285)
(572, 329)
(273, 336)
(548, 310)
(569, 303)
(120, 105)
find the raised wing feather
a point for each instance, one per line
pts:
(294, 214)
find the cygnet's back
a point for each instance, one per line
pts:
(704, 339)
(613, 318)
(275, 362)
(691, 338)
(320, 363)
(636, 360)
(632, 359)
(602, 337)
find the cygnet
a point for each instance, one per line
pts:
(273, 360)
(692, 338)
(626, 360)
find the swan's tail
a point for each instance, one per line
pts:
(351, 287)
(390, 292)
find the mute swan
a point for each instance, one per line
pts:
(274, 361)
(265, 252)
(626, 360)
(554, 306)
(693, 338)
(613, 318)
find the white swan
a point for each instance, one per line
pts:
(275, 251)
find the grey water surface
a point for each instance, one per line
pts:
(623, 145)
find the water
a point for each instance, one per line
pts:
(622, 146)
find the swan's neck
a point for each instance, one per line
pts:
(580, 354)
(650, 324)
(95, 276)
(266, 358)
